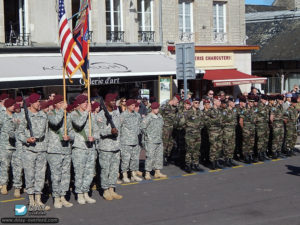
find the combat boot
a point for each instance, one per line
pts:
(265, 156)
(247, 159)
(134, 177)
(158, 174)
(125, 178)
(188, 168)
(219, 165)
(4, 189)
(253, 158)
(57, 203)
(196, 167)
(228, 163)
(274, 155)
(65, 203)
(107, 196)
(38, 202)
(80, 199)
(139, 173)
(213, 165)
(119, 181)
(31, 200)
(166, 162)
(281, 155)
(147, 176)
(233, 163)
(17, 193)
(88, 199)
(114, 195)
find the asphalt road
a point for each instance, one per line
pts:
(261, 194)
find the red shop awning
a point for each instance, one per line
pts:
(231, 77)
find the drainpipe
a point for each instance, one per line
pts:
(160, 24)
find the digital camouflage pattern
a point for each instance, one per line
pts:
(262, 127)
(278, 128)
(249, 118)
(291, 116)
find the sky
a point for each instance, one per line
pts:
(259, 2)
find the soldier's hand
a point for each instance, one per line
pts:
(89, 107)
(91, 139)
(31, 140)
(114, 131)
(66, 137)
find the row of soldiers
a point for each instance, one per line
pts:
(42, 132)
(255, 129)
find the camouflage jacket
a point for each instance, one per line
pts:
(130, 128)
(278, 113)
(291, 115)
(152, 128)
(229, 117)
(213, 118)
(181, 119)
(168, 113)
(248, 115)
(18, 118)
(7, 135)
(108, 142)
(263, 114)
(194, 122)
(56, 132)
(39, 124)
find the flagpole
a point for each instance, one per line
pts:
(65, 100)
(88, 86)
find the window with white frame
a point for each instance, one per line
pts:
(219, 13)
(185, 16)
(145, 20)
(114, 20)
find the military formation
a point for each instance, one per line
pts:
(43, 140)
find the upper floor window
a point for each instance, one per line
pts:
(185, 19)
(219, 25)
(114, 20)
(145, 20)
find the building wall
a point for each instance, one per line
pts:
(2, 28)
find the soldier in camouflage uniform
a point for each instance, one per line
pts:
(83, 150)
(204, 155)
(276, 118)
(59, 152)
(168, 113)
(229, 128)
(213, 120)
(193, 126)
(109, 153)
(130, 148)
(291, 118)
(247, 123)
(34, 151)
(262, 128)
(152, 126)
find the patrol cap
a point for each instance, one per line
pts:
(95, 105)
(154, 105)
(130, 102)
(19, 99)
(196, 99)
(3, 96)
(265, 97)
(9, 102)
(294, 100)
(44, 104)
(243, 99)
(57, 99)
(34, 97)
(279, 97)
(110, 97)
(81, 99)
(187, 102)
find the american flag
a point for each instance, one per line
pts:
(69, 49)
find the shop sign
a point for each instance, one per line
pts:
(240, 82)
(101, 81)
(214, 60)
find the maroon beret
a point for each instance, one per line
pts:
(243, 99)
(206, 101)
(34, 98)
(187, 102)
(27, 102)
(130, 102)
(216, 97)
(19, 99)
(137, 104)
(154, 105)
(9, 102)
(279, 97)
(69, 108)
(95, 105)
(44, 104)
(17, 106)
(178, 97)
(57, 99)
(75, 104)
(110, 97)
(3, 96)
(81, 99)
(294, 100)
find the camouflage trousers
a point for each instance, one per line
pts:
(34, 164)
(11, 158)
(229, 141)
(263, 132)
(60, 167)
(278, 136)
(130, 157)
(215, 141)
(167, 140)
(154, 156)
(109, 163)
(291, 136)
(192, 152)
(248, 138)
(84, 162)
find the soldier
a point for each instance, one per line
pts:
(34, 151)
(193, 126)
(291, 118)
(239, 132)
(83, 150)
(213, 119)
(276, 119)
(204, 155)
(141, 137)
(229, 128)
(130, 148)
(59, 152)
(152, 126)
(3, 97)
(247, 123)
(262, 128)
(109, 153)
(7, 143)
(168, 113)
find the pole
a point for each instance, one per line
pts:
(65, 101)
(184, 74)
(89, 89)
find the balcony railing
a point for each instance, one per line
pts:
(146, 36)
(219, 37)
(115, 36)
(17, 39)
(186, 36)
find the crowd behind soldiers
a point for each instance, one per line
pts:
(216, 130)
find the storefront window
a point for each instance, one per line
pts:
(185, 9)
(219, 22)
(114, 21)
